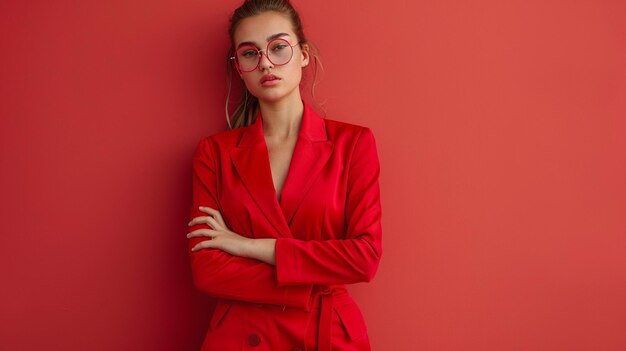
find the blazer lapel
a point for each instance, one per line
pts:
(311, 153)
(251, 161)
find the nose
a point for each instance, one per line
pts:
(264, 61)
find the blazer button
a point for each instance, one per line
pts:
(325, 290)
(254, 340)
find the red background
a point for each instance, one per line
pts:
(501, 132)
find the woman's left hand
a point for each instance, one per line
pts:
(220, 237)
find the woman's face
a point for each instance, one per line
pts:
(259, 30)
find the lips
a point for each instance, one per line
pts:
(268, 78)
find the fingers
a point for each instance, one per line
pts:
(207, 244)
(215, 213)
(215, 220)
(209, 233)
(206, 220)
(198, 220)
(213, 223)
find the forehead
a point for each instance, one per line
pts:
(258, 28)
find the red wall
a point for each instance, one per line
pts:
(501, 131)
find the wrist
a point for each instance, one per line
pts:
(261, 249)
(249, 248)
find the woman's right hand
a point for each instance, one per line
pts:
(219, 237)
(222, 238)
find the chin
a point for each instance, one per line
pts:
(271, 96)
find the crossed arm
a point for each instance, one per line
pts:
(284, 270)
(226, 240)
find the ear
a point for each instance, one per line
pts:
(305, 55)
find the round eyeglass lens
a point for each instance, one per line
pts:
(278, 51)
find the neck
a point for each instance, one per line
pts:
(281, 119)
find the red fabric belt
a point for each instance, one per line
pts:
(328, 296)
(326, 321)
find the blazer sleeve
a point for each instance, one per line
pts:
(342, 261)
(221, 274)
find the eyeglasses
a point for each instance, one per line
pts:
(278, 52)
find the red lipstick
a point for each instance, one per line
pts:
(269, 79)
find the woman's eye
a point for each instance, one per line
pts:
(279, 47)
(248, 53)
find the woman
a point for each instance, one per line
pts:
(286, 205)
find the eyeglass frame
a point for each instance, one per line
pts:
(264, 52)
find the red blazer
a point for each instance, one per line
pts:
(328, 230)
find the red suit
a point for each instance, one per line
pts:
(327, 227)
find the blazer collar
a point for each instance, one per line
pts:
(312, 128)
(251, 160)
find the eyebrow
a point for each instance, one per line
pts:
(273, 36)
